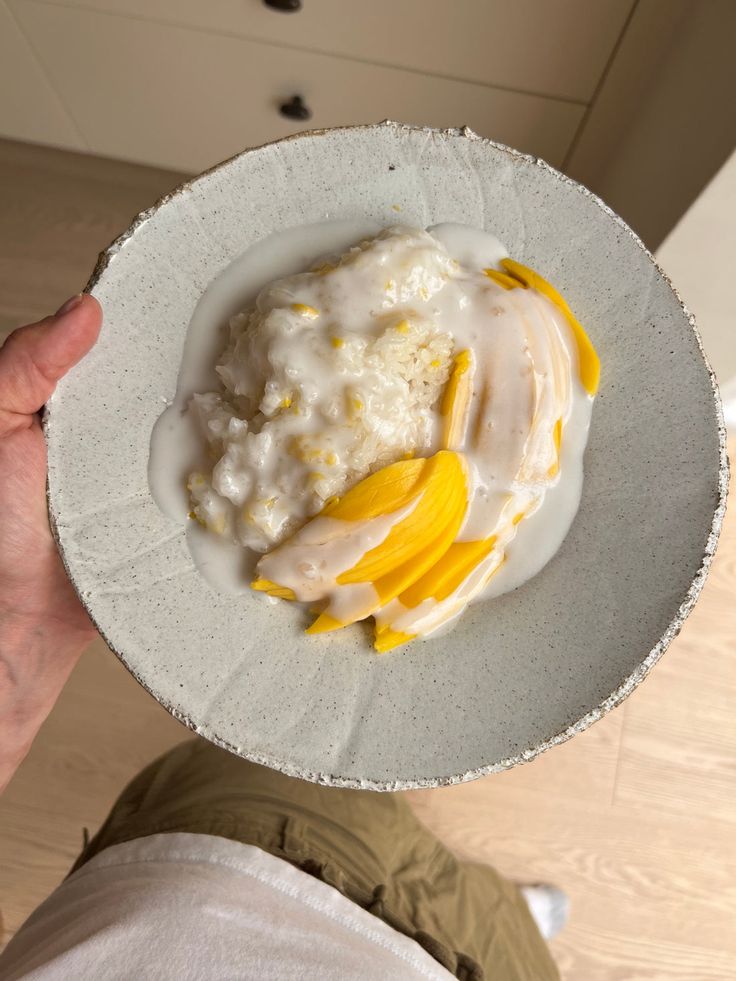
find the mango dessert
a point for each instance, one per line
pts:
(398, 428)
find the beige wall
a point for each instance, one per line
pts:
(699, 255)
(664, 119)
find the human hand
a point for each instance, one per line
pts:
(43, 626)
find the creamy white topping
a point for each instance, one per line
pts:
(335, 373)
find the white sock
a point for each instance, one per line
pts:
(549, 906)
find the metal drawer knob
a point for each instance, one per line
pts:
(285, 6)
(295, 108)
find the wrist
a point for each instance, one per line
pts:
(36, 658)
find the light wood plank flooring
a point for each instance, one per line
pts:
(636, 818)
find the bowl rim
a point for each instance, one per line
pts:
(627, 686)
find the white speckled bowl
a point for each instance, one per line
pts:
(519, 673)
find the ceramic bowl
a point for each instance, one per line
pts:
(518, 673)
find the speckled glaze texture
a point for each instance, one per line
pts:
(517, 674)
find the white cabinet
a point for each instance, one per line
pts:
(548, 47)
(611, 91)
(185, 99)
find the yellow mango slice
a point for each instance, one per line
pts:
(323, 624)
(444, 475)
(273, 589)
(557, 434)
(394, 583)
(387, 490)
(388, 587)
(590, 366)
(557, 437)
(415, 544)
(455, 404)
(503, 279)
(401, 578)
(449, 573)
(387, 639)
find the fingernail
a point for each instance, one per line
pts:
(72, 302)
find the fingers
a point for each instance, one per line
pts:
(35, 357)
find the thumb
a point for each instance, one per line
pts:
(35, 357)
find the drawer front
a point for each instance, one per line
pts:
(550, 47)
(185, 99)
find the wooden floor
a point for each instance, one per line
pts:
(636, 818)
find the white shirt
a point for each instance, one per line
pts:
(190, 907)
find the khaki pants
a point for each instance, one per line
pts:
(368, 845)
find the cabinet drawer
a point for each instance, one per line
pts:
(185, 99)
(551, 47)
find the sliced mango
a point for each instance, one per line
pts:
(449, 573)
(323, 624)
(557, 437)
(589, 363)
(503, 279)
(439, 538)
(444, 476)
(388, 587)
(414, 545)
(273, 589)
(387, 490)
(438, 487)
(455, 404)
(387, 639)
